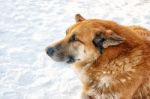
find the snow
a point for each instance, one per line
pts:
(27, 27)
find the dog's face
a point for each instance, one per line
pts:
(85, 41)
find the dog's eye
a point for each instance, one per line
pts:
(73, 38)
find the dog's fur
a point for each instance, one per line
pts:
(111, 60)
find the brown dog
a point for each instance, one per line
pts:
(111, 60)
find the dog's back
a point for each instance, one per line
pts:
(143, 91)
(141, 32)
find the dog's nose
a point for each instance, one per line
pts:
(50, 51)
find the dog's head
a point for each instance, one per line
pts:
(85, 41)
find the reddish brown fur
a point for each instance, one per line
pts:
(132, 89)
(127, 64)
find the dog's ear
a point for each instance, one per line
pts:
(79, 18)
(102, 41)
(113, 40)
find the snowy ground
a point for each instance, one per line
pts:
(28, 26)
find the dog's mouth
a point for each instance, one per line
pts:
(70, 59)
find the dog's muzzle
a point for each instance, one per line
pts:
(59, 57)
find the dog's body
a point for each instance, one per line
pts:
(111, 60)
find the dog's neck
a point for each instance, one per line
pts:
(81, 68)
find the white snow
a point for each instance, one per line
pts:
(27, 27)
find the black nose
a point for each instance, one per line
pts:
(50, 51)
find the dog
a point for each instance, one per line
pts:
(111, 60)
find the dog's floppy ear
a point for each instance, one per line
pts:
(79, 18)
(102, 41)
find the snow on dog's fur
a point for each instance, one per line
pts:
(111, 60)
